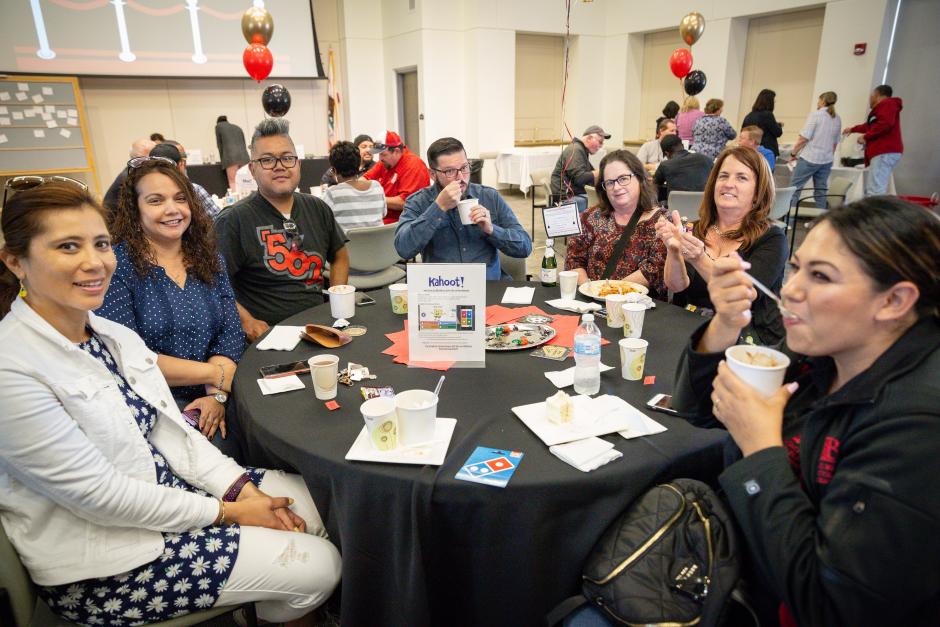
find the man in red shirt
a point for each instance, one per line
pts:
(399, 171)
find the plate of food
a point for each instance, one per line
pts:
(517, 336)
(600, 290)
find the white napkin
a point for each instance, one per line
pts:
(280, 384)
(640, 426)
(586, 454)
(281, 338)
(569, 304)
(564, 378)
(518, 295)
(647, 301)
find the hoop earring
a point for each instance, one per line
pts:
(23, 292)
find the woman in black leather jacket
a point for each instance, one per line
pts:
(835, 493)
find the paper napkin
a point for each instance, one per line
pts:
(281, 338)
(280, 384)
(586, 454)
(518, 295)
(564, 378)
(569, 304)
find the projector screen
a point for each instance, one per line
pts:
(150, 38)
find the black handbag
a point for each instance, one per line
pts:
(670, 559)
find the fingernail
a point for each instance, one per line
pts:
(793, 386)
(746, 265)
(747, 313)
(290, 501)
(296, 528)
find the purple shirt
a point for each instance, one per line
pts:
(685, 122)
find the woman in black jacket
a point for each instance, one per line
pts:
(835, 492)
(762, 115)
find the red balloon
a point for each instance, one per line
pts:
(258, 61)
(680, 62)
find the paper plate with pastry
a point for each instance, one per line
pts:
(600, 290)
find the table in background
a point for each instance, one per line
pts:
(421, 548)
(858, 176)
(515, 166)
(212, 176)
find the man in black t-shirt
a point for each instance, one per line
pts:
(276, 242)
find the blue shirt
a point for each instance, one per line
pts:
(440, 237)
(194, 322)
(769, 155)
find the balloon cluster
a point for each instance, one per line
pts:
(680, 61)
(257, 27)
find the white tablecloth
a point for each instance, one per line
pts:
(515, 166)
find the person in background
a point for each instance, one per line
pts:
(172, 149)
(712, 131)
(431, 224)
(626, 197)
(762, 115)
(277, 242)
(363, 144)
(399, 171)
(815, 150)
(688, 115)
(829, 486)
(140, 148)
(170, 287)
(356, 202)
(573, 169)
(682, 171)
(230, 139)
(157, 138)
(881, 134)
(650, 154)
(750, 136)
(119, 510)
(733, 218)
(670, 111)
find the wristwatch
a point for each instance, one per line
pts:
(221, 397)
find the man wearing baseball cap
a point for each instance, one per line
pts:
(399, 171)
(573, 170)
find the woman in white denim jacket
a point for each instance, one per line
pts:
(83, 498)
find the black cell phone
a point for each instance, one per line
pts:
(663, 403)
(363, 299)
(284, 370)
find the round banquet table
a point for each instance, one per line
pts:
(422, 548)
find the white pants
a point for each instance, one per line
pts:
(287, 574)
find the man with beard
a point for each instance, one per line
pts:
(400, 172)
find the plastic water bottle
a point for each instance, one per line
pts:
(587, 357)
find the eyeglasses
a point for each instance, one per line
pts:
(269, 163)
(622, 181)
(29, 181)
(451, 173)
(136, 162)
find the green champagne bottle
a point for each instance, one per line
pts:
(549, 272)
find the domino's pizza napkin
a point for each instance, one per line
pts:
(491, 466)
(586, 454)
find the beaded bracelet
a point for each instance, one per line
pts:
(236, 488)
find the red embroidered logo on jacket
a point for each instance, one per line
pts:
(793, 454)
(827, 460)
(282, 258)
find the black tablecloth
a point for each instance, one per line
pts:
(212, 176)
(421, 548)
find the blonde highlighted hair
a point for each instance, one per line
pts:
(689, 104)
(829, 99)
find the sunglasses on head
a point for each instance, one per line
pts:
(136, 162)
(29, 181)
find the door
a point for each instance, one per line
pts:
(408, 109)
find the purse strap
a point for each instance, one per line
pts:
(622, 243)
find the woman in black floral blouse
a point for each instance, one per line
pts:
(623, 190)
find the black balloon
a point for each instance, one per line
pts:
(694, 82)
(276, 100)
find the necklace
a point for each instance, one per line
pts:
(723, 235)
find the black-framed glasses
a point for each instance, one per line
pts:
(451, 173)
(269, 163)
(136, 162)
(29, 181)
(622, 180)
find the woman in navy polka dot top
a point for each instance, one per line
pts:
(170, 286)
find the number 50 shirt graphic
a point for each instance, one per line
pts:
(283, 255)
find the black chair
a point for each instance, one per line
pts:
(838, 188)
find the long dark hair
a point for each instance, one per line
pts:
(757, 220)
(765, 100)
(894, 241)
(647, 195)
(24, 217)
(200, 255)
(671, 110)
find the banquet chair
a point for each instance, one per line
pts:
(540, 186)
(28, 610)
(490, 156)
(781, 206)
(686, 203)
(372, 257)
(838, 189)
(514, 266)
(591, 196)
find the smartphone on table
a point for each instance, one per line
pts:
(663, 403)
(284, 370)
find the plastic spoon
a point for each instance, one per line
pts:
(437, 389)
(786, 313)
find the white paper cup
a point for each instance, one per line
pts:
(633, 314)
(417, 411)
(568, 282)
(764, 379)
(464, 207)
(342, 301)
(324, 370)
(632, 357)
(399, 296)
(381, 422)
(614, 304)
